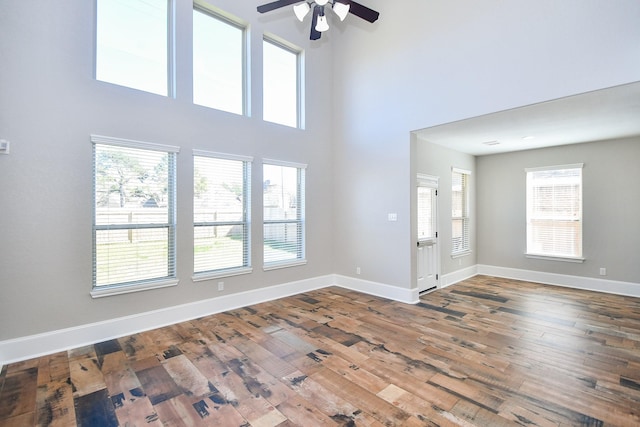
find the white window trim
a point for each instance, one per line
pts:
(300, 70)
(465, 252)
(223, 16)
(532, 255)
(275, 265)
(110, 290)
(234, 271)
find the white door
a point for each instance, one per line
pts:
(428, 252)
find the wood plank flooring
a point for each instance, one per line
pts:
(484, 352)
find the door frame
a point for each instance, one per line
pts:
(430, 181)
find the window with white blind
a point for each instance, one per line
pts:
(134, 217)
(282, 83)
(132, 44)
(221, 214)
(554, 212)
(460, 226)
(284, 214)
(218, 61)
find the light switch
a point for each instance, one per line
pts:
(4, 146)
(392, 216)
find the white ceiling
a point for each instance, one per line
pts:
(594, 116)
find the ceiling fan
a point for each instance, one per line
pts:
(319, 21)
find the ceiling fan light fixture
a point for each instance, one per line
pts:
(341, 9)
(321, 2)
(322, 24)
(301, 10)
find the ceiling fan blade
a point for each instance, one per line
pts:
(315, 34)
(361, 11)
(276, 5)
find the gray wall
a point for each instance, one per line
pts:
(611, 203)
(435, 160)
(425, 63)
(50, 104)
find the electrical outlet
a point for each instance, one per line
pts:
(221, 286)
(357, 270)
(603, 271)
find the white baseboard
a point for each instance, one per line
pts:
(576, 282)
(28, 347)
(407, 296)
(457, 276)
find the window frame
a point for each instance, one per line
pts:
(225, 18)
(577, 257)
(465, 217)
(300, 79)
(300, 219)
(171, 278)
(246, 268)
(170, 84)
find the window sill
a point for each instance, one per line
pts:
(284, 264)
(108, 291)
(201, 277)
(555, 258)
(460, 254)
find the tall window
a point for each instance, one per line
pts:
(218, 62)
(281, 84)
(132, 44)
(460, 227)
(554, 211)
(134, 214)
(284, 217)
(221, 213)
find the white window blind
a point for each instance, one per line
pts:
(281, 78)
(221, 213)
(218, 62)
(284, 213)
(134, 212)
(460, 227)
(554, 211)
(132, 44)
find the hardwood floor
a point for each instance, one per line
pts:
(484, 352)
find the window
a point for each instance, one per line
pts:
(221, 214)
(284, 223)
(460, 243)
(554, 212)
(134, 216)
(281, 84)
(218, 62)
(132, 44)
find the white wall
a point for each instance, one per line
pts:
(426, 63)
(610, 233)
(49, 106)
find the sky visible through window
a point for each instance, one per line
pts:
(132, 44)
(280, 85)
(218, 75)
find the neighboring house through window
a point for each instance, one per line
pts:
(134, 217)
(554, 212)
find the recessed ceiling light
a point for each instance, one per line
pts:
(494, 142)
